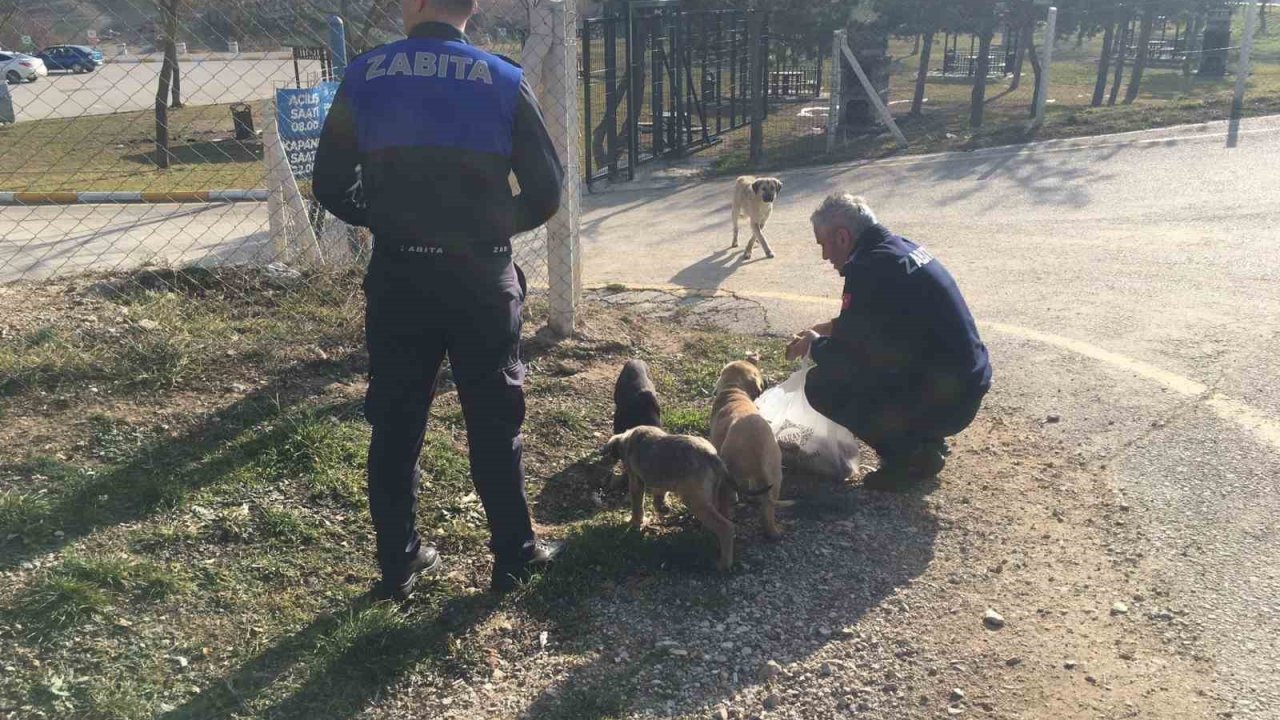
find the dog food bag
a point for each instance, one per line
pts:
(810, 441)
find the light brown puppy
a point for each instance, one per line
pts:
(682, 464)
(745, 441)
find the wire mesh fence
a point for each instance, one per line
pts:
(660, 82)
(160, 152)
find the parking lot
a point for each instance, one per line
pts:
(125, 86)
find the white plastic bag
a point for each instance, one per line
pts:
(810, 441)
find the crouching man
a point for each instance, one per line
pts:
(902, 367)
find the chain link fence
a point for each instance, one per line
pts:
(156, 160)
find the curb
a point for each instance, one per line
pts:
(111, 198)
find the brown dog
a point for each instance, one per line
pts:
(684, 464)
(744, 439)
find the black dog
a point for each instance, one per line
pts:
(634, 398)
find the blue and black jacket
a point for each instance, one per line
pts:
(903, 328)
(420, 143)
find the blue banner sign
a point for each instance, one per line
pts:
(300, 117)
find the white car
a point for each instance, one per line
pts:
(19, 67)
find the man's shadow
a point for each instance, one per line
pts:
(665, 588)
(379, 645)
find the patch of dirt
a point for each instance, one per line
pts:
(874, 605)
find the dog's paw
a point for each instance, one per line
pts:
(769, 255)
(746, 256)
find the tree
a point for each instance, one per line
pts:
(1140, 60)
(979, 17)
(170, 81)
(978, 98)
(922, 75)
(1262, 16)
(1104, 64)
(1122, 34)
(1022, 18)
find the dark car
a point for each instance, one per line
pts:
(75, 58)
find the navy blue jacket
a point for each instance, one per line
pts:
(903, 327)
(420, 143)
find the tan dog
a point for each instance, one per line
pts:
(753, 197)
(684, 464)
(744, 439)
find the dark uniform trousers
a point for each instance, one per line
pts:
(896, 419)
(419, 309)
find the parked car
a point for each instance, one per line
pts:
(20, 67)
(73, 58)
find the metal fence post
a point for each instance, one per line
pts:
(338, 45)
(550, 56)
(833, 102)
(755, 31)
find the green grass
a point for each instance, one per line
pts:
(220, 517)
(167, 328)
(686, 420)
(117, 152)
(82, 588)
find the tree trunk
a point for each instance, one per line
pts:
(1262, 16)
(1036, 70)
(922, 75)
(1189, 49)
(915, 50)
(162, 116)
(171, 57)
(165, 89)
(1140, 62)
(1104, 64)
(978, 99)
(1026, 40)
(1122, 30)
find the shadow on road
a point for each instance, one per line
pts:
(711, 271)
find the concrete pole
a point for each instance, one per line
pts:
(833, 103)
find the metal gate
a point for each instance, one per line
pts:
(659, 82)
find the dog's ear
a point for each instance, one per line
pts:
(755, 186)
(753, 358)
(777, 186)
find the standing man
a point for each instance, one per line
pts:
(418, 147)
(902, 366)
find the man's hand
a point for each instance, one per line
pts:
(799, 345)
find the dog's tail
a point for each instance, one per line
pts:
(726, 476)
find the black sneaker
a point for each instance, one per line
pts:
(507, 576)
(927, 462)
(891, 477)
(399, 589)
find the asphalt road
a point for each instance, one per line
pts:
(1128, 285)
(126, 86)
(43, 241)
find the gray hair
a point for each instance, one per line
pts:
(842, 209)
